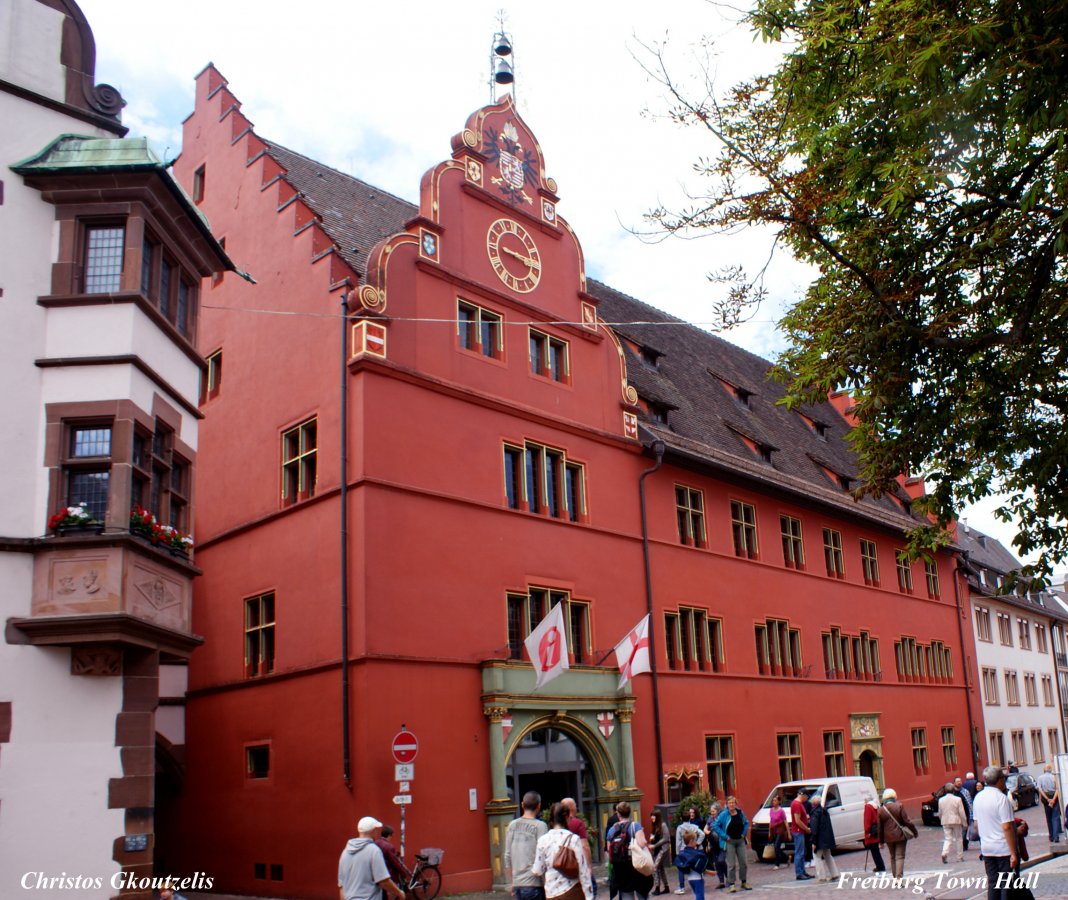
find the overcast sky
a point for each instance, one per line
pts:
(378, 89)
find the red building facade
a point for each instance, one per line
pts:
(496, 416)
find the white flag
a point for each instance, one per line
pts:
(632, 653)
(547, 646)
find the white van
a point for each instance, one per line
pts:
(843, 798)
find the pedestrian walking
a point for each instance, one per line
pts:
(823, 842)
(520, 847)
(895, 830)
(576, 826)
(627, 881)
(871, 831)
(688, 824)
(997, 834)
(660, 846)
(732, 829)
(799, 830)
(551, 859)
(954, 819)
(716, 852)
(362, 871)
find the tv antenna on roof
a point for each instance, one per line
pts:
(502, 63)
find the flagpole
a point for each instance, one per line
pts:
(658, 451)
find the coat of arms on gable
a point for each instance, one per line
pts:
(511, 158)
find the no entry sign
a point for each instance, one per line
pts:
(405, 747)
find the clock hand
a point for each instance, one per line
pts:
(532, 263)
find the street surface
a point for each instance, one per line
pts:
(928, 878)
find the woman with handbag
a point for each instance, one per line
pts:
(626, 843)
(559, 857)
(871, 832)
(778, 832)
(895, 828)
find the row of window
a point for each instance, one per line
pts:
(1012, 688)
(1019, 751)
(482, 332)
(163, 281)
(159, 476)
(1004, 620)
(721, 768)
(690, 518)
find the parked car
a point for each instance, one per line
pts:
(842, 797)
(1023, 789)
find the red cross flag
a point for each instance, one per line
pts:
(547, 646)
(632, 653)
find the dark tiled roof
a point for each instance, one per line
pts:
(985, 551)
(355, 214)
(705, 418)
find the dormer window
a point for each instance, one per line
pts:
(650, 357)
(742, 396)
(817, 427)
(658, 412)
(761, 451)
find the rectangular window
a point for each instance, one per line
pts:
(949, 748)
(166, 279)
(299, 461)
(982, 623)
(832, 553)
(904, 572)
(778, 648)
(793, 548)
(1047, 690)
(198, 184)
(87, 468)
(259, 635)
(690, 515)
(694, 642)
(1019, 753)
(788, 747)
(719, 756)
(149, 249)
(743, 527)
(997, 748)
(479, 330)
(549, 356)
(542, 480)
(182, 309)
(919, 750)
(258, 761)
(923, 662)
(1024, 631)
(834, 753)
(869, 560)
(1038, 750)
(1054, 741)
(1005, 629)
(1012, 689)
(212, 378)
(104, 252)
(525, 612)
(1040, 638)
(930, 568)
(990, 687)
(850, 656)
(1030, 689)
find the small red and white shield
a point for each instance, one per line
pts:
(506, 727)
(606, 721)
(512, 169)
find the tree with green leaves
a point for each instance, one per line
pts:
(915, 153)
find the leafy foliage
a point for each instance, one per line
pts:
(700, 800)
(914, 152)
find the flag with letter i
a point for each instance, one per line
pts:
(632, 653)
(547, 646)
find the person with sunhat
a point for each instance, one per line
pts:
(362, 868)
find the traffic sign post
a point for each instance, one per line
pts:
(405, 748)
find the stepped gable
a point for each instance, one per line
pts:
(692, 369)
(689, 377)
(356, 215)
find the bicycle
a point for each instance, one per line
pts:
(426, 877)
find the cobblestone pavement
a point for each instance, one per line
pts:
(926, 876)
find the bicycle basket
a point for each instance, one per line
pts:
(433, 855)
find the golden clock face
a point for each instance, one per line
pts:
(513, 255)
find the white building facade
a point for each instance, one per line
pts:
(101, 259)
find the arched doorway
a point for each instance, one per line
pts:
(868, 764)
(551, 762)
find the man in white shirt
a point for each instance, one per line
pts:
(997, 834)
